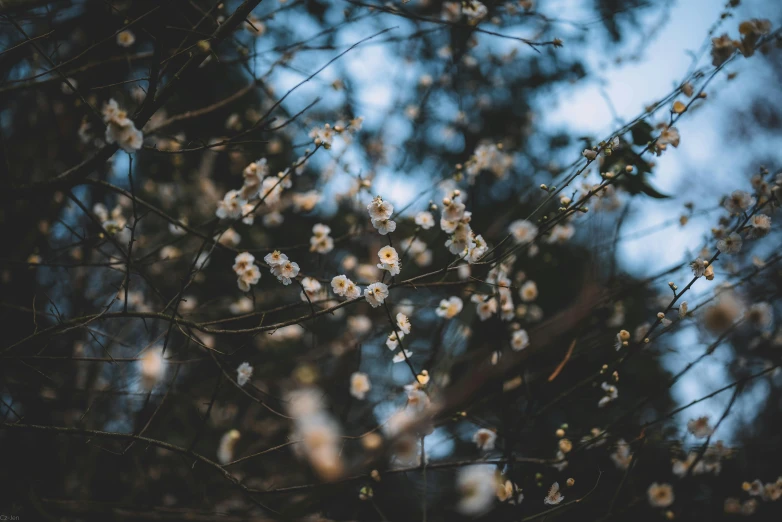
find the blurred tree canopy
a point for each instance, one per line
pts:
(161, 363)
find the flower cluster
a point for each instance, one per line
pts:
(723, 46)
(324, 136)
(488, 158)
(312, 290)
(455, 221)
(473, 10)
(259, 186)
(120, 129)
(318, 432)
(321, 242)
(281, 267)
(389, 260)
(344, 287)
(380, 212)
(113, 222)
(243, 373)
(247, 271)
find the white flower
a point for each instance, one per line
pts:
(285, 272)
(730, 244)
(311, 287)
(273, 219)
(403, 323)
(611, 394)
(176, 230)
(248, 216)
(453, 209)
(589, 154)
(452, 11)
(448, 226)
(561, 233)
(461, 240)
(152, 367)
(256, 171)
(389, 260)
(523, 231)
(66, 88)
(402, 355)
(112, 112)
(476, 485)
(125, 38)
(323, 135)
(484, 439)
(474, 11)
(761, 225)
(319, 433)
(120, 129)
(449, 308)
(321, 244)
(660, 495)
(560, 464)
(509, 492)
(528, 291)
(425, 220)
(760, 315)
(417, 400)
(388, 254)
(477, 249)
(738, 202)
(128, 137)
(393, 268)
(339, 284)
(723, 313)
(242, 306)
(699, 427)
(487, 156)
(699, 267)
(305, 201)
(243, 373)
(320, 229)
(243, 262)
(554, 496)
(379, 209)
(225, 452)
(622, 456)
(375, 294)
(359, 385)
(271, 190)
(249, 277)
(519, 340)
(384, 226)
(231, 206)
(359, 325)
(352, 291)
(393, 340)
(275, 258)
(485, 307)
(669, 135)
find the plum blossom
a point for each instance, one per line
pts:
(243, 373)
(449, 308)
(376, 294)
